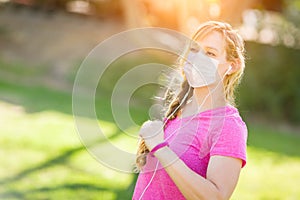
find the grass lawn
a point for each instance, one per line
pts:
(42, 156)
(273, 168)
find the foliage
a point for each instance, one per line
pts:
(270, 86)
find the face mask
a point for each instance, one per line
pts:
(200, 70)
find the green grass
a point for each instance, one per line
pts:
(273, 168)
(44, 159)
(42, 156)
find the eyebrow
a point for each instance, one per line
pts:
(209, 47)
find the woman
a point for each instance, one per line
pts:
(199, 150)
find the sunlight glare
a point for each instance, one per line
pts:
(249, 28)
(4, 1)
(78, 6)
(268, 36)
(192, 24)
(289, 40)
(214, 10)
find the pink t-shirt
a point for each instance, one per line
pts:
(194, 139)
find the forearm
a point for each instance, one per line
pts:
(191, 184)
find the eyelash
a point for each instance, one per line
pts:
(194, 49)
(208, 53)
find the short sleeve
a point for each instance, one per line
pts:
(232, 140)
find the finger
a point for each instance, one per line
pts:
(147, 123)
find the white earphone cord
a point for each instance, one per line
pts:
(184, 98)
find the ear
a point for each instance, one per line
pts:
(235, 66)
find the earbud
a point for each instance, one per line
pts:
(229, 69)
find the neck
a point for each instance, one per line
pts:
(205, 98)
(210, 97)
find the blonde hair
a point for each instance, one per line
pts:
(234, 47)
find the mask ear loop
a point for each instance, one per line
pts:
(186, 95)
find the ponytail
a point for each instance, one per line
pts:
(175, 106)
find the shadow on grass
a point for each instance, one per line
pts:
(61, 160)
(58, 160)
(88, 188)
(50, 190)
(35, 99)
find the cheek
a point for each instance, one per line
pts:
(222, 68)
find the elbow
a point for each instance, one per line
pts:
(209, 191)
(219, 196)
(213, 195)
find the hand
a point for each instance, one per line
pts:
(152, 132)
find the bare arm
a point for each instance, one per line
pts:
(222, 176)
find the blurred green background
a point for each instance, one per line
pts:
(43, 43)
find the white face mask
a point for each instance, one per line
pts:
(200, 70)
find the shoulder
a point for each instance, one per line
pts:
(230, 129)
(232, 139)
(233, 123)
